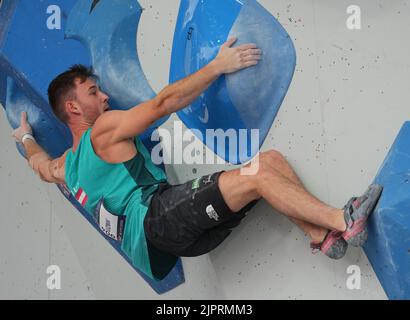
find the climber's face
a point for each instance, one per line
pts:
(90, 102)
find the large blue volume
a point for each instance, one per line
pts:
(34, 49)
(239, 102)
(388, 245)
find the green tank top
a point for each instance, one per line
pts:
(126, 188)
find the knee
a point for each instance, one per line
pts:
(270, 163)
(265, 177)
(273, 156)
(265, 171)
(264, 167)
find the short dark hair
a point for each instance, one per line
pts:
(61, 88)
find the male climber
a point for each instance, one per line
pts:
(108, 168)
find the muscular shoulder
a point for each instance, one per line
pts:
(107, 121)
(104, 141)
(104, 129)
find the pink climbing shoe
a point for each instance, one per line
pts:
(333, 245)
(356, 212)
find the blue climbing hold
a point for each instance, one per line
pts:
(239, 102)
(388, 245)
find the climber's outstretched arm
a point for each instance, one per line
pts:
(49, 170)
(122, 125)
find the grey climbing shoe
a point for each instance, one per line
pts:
(333, 245)
(356, 212)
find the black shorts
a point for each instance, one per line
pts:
(192, 218)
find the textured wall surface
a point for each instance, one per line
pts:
(347, 101)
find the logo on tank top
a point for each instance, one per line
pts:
(212, 213)
(81, 197)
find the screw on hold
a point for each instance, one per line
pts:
(190, 31)
(93, 5)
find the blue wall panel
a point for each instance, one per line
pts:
(388, 245)
(31, 55)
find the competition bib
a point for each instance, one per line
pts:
(111, 225)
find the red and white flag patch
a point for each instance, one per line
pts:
(81, 197)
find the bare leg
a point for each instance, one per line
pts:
(279, 163)
(281, 193)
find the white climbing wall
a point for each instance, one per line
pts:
(345, 105)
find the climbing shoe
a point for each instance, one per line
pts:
(333, 245)
(356, 212)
